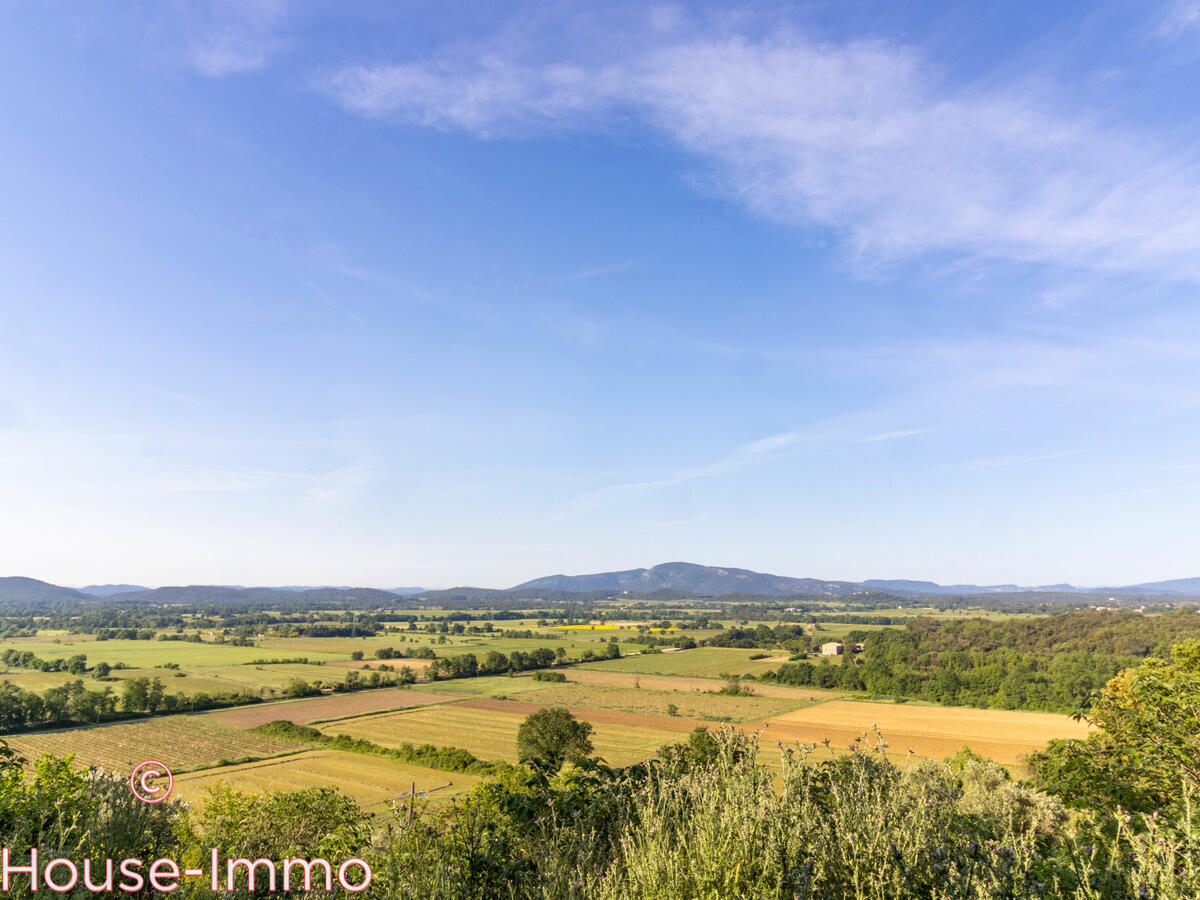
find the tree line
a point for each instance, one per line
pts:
(1055, 663)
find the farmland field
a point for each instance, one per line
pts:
(148, 654)
(708, 662)
(492, 734)
(34, 680)
(373, 781)
(225, 679)
(330, 648)
(338, 706)
(182, 742)
(690, 704)
(687, 683)
(1004, 735)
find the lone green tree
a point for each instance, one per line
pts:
(550, 737)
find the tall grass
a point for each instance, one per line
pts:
(855, 827)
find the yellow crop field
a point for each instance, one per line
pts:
(181, 742)
(492, 734)
(1006, 736)
(374, 781)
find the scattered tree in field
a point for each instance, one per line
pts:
(550, 737)
(734, 687)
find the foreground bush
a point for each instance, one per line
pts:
(857, 826)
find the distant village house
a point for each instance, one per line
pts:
(832, 648)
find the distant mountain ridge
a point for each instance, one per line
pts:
(681, 577)
(18, 589)
(718, 580)
(107, 590)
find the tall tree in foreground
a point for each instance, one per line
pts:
(550, 737)
(1145, 754)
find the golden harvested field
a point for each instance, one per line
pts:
(1006, 736)
(708, 662)
(491, 734)
(373, 781)
(337, 706)
(688, 683)
(182, 742)
(690, 704)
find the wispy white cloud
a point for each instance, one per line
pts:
(333, 304)
(893, 435)
(1181, 16)
(750, 454)
(226, 37)
(863, 138)
(766, 445)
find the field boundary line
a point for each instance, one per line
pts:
(249, 762)
(382, 712)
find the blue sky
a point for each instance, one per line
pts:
(472, 293)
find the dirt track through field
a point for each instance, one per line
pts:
(595, 716)
(337, 706)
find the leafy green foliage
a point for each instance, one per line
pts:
(549, 738)
(65, 812)
(1053, 663)
(449, 759)
(1146, 754)
(316, 822)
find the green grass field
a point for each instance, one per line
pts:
(34, 680)
(230, 679)
(707, 662)
(148, 654)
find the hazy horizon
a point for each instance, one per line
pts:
(350, 583)
(444, 294)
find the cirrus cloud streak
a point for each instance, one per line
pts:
(863, 139)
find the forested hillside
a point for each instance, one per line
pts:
(1049, 663)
